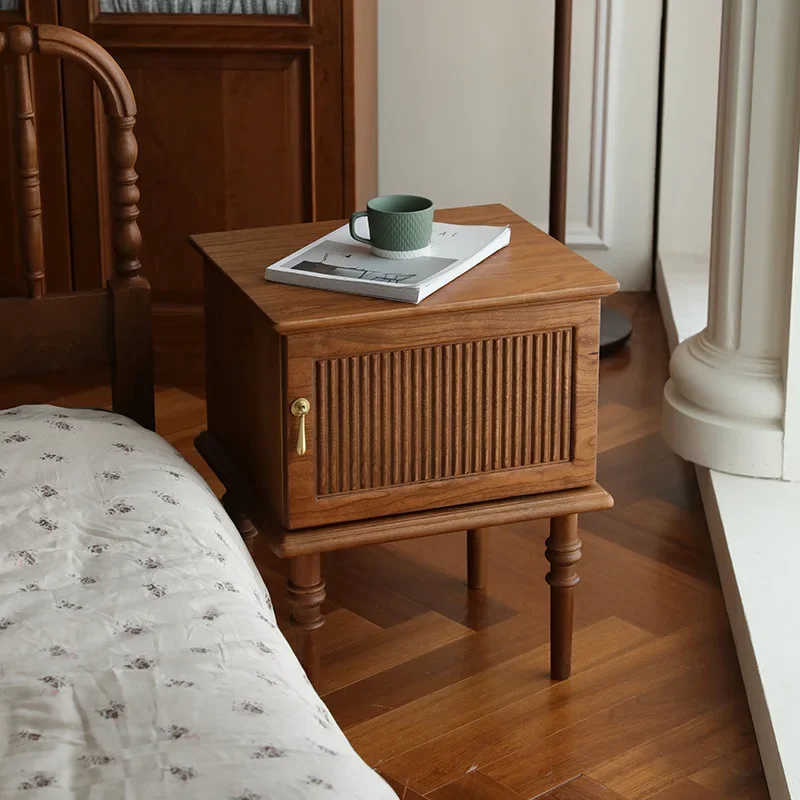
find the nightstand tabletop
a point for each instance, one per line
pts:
(534, 268)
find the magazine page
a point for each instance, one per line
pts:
(337, 257)
(339, 260)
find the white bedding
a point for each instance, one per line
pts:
(139, 655)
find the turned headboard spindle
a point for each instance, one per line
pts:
(126, 238)
(20, 42)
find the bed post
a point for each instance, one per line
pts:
(132, 366)
(132, 362)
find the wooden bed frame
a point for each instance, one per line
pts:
(102, 327)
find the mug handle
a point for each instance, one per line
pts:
(353, 218)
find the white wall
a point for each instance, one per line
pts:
(689, 133)
(464, 115)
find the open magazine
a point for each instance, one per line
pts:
(339, 263)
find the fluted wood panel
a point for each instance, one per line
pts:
(428, 413)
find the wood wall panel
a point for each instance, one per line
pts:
(240, 125)
(220, 165)
(267, 160)
(360, 90)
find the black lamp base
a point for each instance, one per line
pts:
(615, 330)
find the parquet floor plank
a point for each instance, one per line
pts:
(445, 732)
(660, 531)
(386, 649)
(343, 628)
(432, 589)
(550, 761)
(737, 775)
(640, 469)
(509, 735)
(620, 424)
(681, 599)
(474, 786)
(403, 792)
(367, 597)
(639, 773)
(517, 567)
(419, 678)
(581, 788)
(446, 690)
(686, 789)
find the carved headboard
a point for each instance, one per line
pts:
(112, 326)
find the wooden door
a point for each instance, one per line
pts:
(455, 409)
(240, 125)
(48, 108)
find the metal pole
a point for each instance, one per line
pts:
(559, 137)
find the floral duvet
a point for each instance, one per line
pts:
(139, 656)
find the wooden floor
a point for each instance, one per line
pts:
(446, 691)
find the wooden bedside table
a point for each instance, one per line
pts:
(336, 420)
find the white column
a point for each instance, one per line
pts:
(725, 402)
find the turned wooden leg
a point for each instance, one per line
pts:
(563, 552)
(306, 595)
(477, 558)
(242, 522)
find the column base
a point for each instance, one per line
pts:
(724, 410)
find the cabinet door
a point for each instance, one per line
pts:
(48, 108)
(239, 124)
(455, 409)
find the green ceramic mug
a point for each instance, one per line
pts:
(400, 225)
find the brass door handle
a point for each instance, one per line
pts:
(300, 408)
